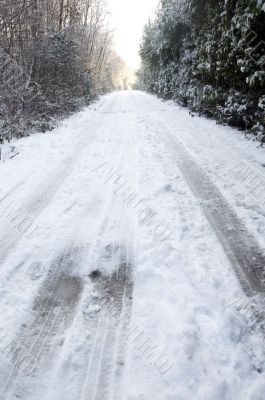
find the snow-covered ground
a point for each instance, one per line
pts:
(116, 280)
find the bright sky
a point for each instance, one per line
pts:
(129, 18)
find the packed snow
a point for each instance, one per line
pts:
(104, 192)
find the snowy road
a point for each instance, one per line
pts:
(132, 259)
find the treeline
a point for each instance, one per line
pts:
(209, 55)
(55, 56)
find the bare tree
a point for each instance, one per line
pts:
(57, 51)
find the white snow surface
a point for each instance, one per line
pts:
(187, 302)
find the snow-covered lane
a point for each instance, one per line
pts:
(121, 289)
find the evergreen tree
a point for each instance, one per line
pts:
(210, 56)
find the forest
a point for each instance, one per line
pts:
(56, 56)
(209, 55)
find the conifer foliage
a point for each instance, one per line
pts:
(209, 55)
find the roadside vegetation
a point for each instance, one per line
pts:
(209, 55)
(55, 57)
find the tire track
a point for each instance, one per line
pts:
(239, 245)
(116, 292)
(53, 311)
(55, 306)
(115, 297)
(47, 190)
(50, 320)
